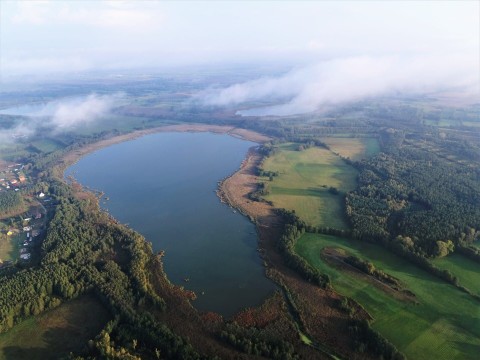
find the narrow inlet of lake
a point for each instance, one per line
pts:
(163, 186)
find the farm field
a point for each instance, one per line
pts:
(353, 148)
(303, 182)
(466, 270)
(56, 332)
(442, 323)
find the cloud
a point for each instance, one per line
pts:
(349, 79)
(80, 111)
(62, 115)
(31, 12)
(108, 14)
(19, 131)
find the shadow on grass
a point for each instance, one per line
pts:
(56, 346)
(57, 332)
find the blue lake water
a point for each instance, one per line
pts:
(163, 185)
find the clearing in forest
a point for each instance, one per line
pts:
(56, 332)
(9, 247)
(353, 148)
(305, 181)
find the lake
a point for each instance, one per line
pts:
(163, 186)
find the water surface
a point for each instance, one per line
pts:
(163, 185)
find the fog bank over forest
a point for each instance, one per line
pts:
(62, 115)
(347, 79)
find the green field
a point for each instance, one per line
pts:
(9, 247)
(56, 332)
(467, 271)
(445, 324)
(47, 145)
(303, 181)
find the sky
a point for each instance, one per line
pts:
(47, 37)
(337, 51)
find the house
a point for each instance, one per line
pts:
(10, 233)
(41, 195)
(27, 228)
(25, 256)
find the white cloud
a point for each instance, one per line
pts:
(68, 114)
(32, 12)
(63, 115)
(349, 79)
(9, 136)
(136, 34)
(117, 15)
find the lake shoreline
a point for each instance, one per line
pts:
(71, 157)
(315, 312)
(86, 192)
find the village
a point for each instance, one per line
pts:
(12, 177)
(21, 234)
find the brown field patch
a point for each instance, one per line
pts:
(352, 148)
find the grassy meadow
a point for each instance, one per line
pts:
(47, 145)
(443, 324)
(9, 247)
(56, 332)
(467, 271)
(303, 182)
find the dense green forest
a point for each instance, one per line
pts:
(417, 198)
(10, 200)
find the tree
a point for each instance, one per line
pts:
(443, 248)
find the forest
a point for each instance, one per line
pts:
(416, 197)
(10, 200)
